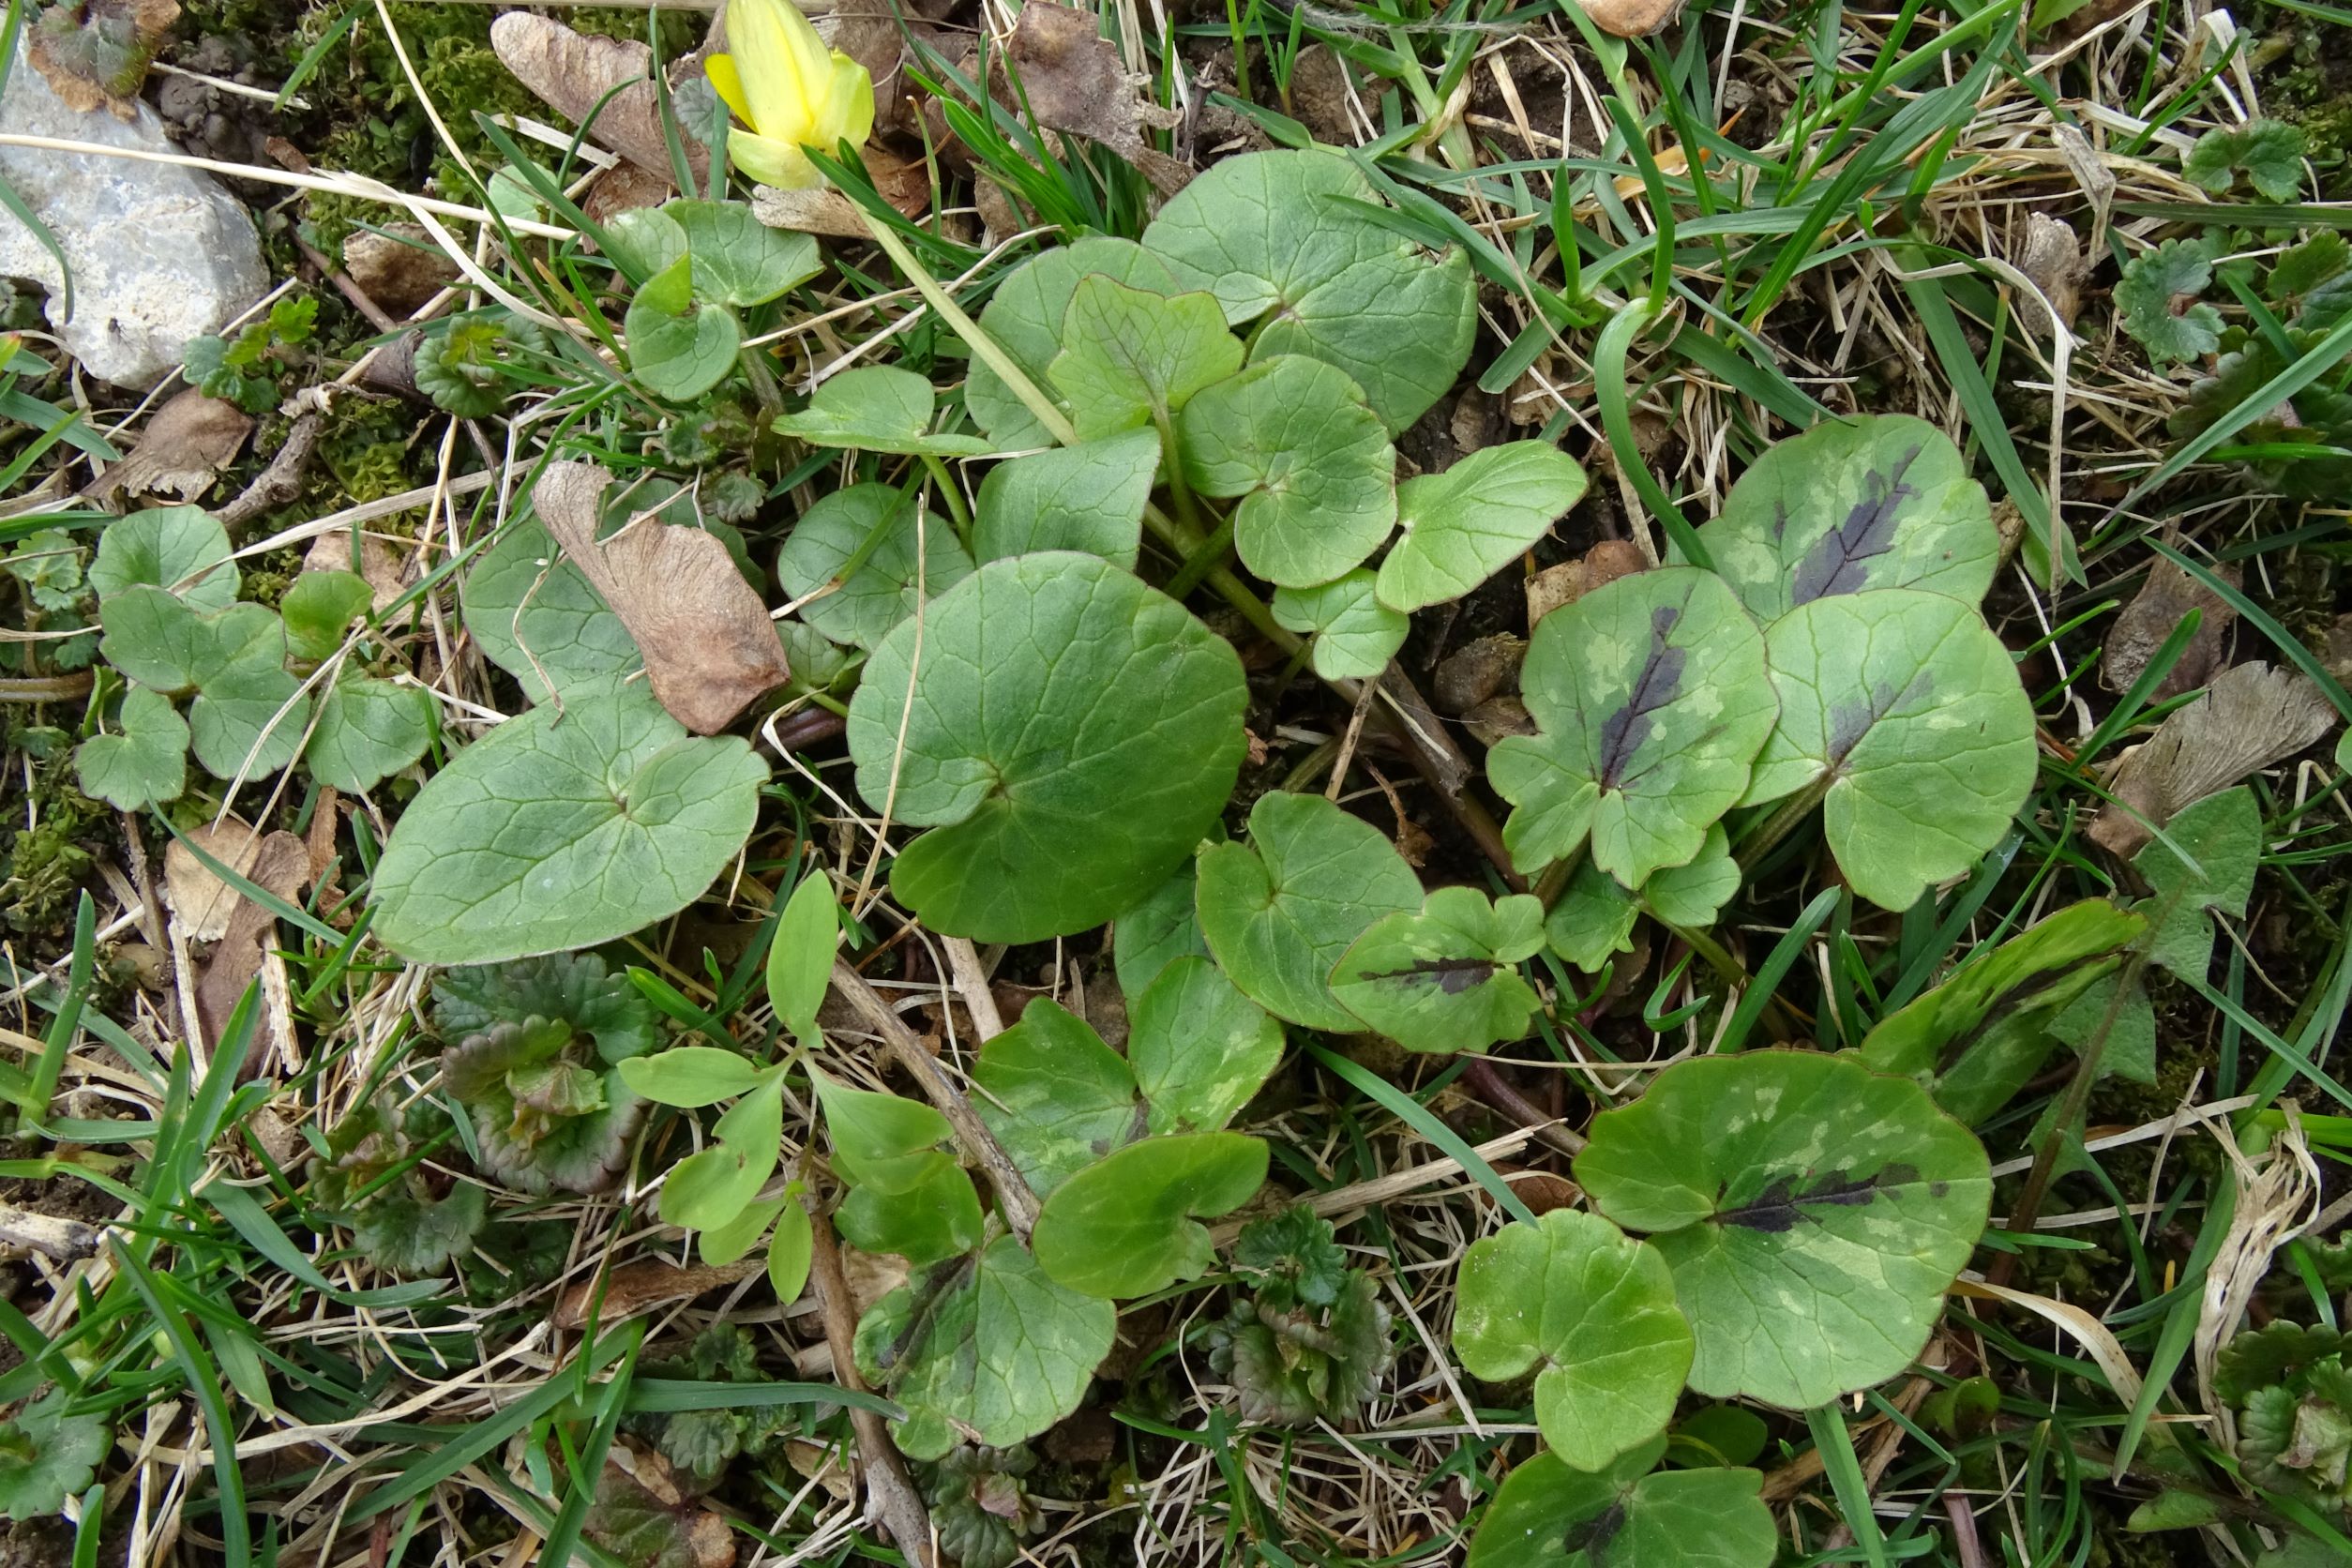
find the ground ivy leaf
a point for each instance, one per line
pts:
(1884, 501)
(877, 408)
(1813, 1212)
(2222, 837)
(533, 615)
(738, 260)
(1280, 913)
(1465, 524)
(1025, 315)
(1135, 357)
(180, 550)
(1441, 979)
(1592, 1307)
(988, 1346)
(1288, 233)
(1074, 734)
(1154, 932)
(1652, 699)
(1054, 1094)
(1089, 497)
(1355, 634)
(2157, 298)
(865, 537)
(319, 608)
(1199, 1048)
(2268, 152)
(144, 762)
(367, 731)
(1548, 1516)
(679, 346)
(1593, 918)
(1311, 463)
(1129, 1224)
(1912, 709)
(545, 835)
(1692, 895)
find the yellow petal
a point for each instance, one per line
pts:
(771, 162)
(848, 107)
(769, 66)
(720, 69)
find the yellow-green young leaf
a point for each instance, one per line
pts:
(1090, 497)
(1199, 1047)
(1593, 1309)
(1129, 1224)
(367, 731)
(1692, 895)
(876, 408)
(1907, 708)
(1073, 735)
(1466, 524)
(544, 837)
(710, 1189)
(1548, 1516)
(1054, 1095)
(533, 614)
(1650, 699)
(181, 550)
(871, 1129)
(738, 260)
(143, 763)
(791, 1248)
(690, 1076)
(877, 543)
(1355, 634)
(925, 1211)
(1130, 356)
(1280, 913)
(1812, 1211)
(1442, 978)
(679, 346)
(1884, 501)
(1293, 438)
(319, 608)
(800, 958)
(724, 1244)
(1025, 315)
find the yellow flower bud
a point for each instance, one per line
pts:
(781, 82)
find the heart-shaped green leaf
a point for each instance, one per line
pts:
(2221, 836)
(876, 408)
(1129, 1224)
(1442, 978)
(1466, 524)
(1652, 699)
(1548, 1516)
(1199, 1048)
(181, 550)
(1089, 497)
(645, 240)
(1884, 501)
(738, 260)
(1132, 357)
(1286, 236)
(144, 762)
(1311, 463)
(1592, 919)
(877, 542)
(1910, 709)
(1054, 1094)
(1280, 913)
(1355, 634)
(319, 608)
(987, 1348)
(249, 715)
(535, 616)
(1594, 1309)
(1691, 896)
(367, 731)
(1154, 932)
(928, 1211)
(1073, 735)
(1025, 316)
(679, 346)
(545, 835)
(162, 641)
(1813, 1212)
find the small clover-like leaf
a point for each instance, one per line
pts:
(545, 835)
(1813, 1212)
(367, 731)
(181, 550)
(1132, 357)
(679, 346)
(1312, 465)
(1548, 1516)
(2158, 297)
(877, 408)
(1068, 733)
(2221, 836)
(1594, 1309)
(1652, 699)
(1056, 1097)
(1090, 497)
(1463, 525)
(1884, 501)
(535, 615)
(1908, 711)
(1199, 1048)
(879, 543)
(164, 643)
(47, 1456)
(1281, 912)
(1129, 1224)
(1025, 316)
(1442, 978)
(1355, 634)
(2269, 153)
(738, 260)
(144, 762)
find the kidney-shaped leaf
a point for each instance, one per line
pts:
(1442, 978)
(1280, 913)
(1198, 1046)
(1132, 356)
(987, 1345)
(1355, 634)
(368, 730)
(1130, 1225)
(876, 408)
(1594, 1309)
(1074, 734)
(679, 345)
(1548, 1516)
(544, 835)
(1089, 497)
(1056, 1097)
(181, 550)
(1466, 524)
(1910, 707)
(533, 612)
(1813, 1212)
(1025, 315)
(878, 543)
(739, 260)
(1651, 700)
(1884, 501)
(146, 762)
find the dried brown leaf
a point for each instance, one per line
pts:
(400, 269)
(2251, 716)
(1075, 81)
(636, 1288)
(2052, 256)
(1570, 580)
(97, 52)
(186, 445)
(200, 901)
(906, 185)
(709, 646)
(281, 866)
(573, 71)
(2167, 596)
(383, 567)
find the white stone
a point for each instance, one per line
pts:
(160, 253)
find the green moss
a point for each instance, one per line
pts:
(43, 865)
(365, 446)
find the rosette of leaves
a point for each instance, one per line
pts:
(467, 365)
(535, 1061)
(2294, 1397)
(47, 1456)
(982, 1513)
(1310, 1340)
(245, 369)
(701, 1442)
(55, 595)
(367, 1179)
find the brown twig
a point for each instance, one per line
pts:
(45, 689)
(377, 316)
(1014, 1198)
(281, 481)
(890, 1495)
(1487, 1084)
(1964, 1538)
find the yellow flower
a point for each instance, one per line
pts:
(782, 82)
